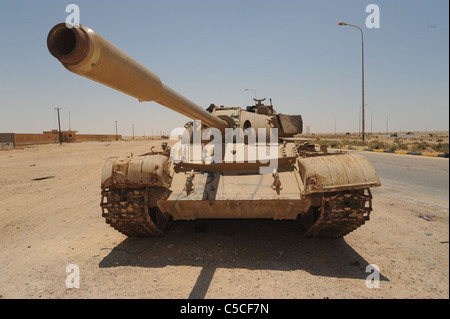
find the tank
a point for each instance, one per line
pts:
(231, 162)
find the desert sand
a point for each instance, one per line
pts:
(50, 223)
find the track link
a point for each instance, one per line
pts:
(126, 210)
(341, 213)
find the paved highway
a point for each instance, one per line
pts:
(421, 178)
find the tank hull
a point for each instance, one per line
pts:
(328, 193)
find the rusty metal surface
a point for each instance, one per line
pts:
(126, 210)
(341, 213)
(337, 172)
(70, 46)
(235, 186)
(141, 171)
(282, 162)
(270, 209)
(228, 195)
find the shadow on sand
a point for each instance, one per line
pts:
(247, 244)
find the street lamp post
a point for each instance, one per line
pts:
(362, 60)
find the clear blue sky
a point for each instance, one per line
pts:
(210, 50)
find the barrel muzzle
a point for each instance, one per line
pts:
(68, 45)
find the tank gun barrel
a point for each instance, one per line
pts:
(84, 52)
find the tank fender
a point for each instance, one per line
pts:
(135, 172)
(337, 172)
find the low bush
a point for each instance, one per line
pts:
(441, 148)
(419, 146)
(377, 145)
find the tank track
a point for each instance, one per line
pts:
(341, 213)
(126, 210)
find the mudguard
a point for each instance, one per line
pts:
(337, 172)
(135, 172)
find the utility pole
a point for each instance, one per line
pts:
(117, 137)
(70, 128)
(59, 125)
(359, 124)
(132, 127)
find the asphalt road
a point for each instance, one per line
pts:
(416, 178)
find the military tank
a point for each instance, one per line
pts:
(327, 193)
